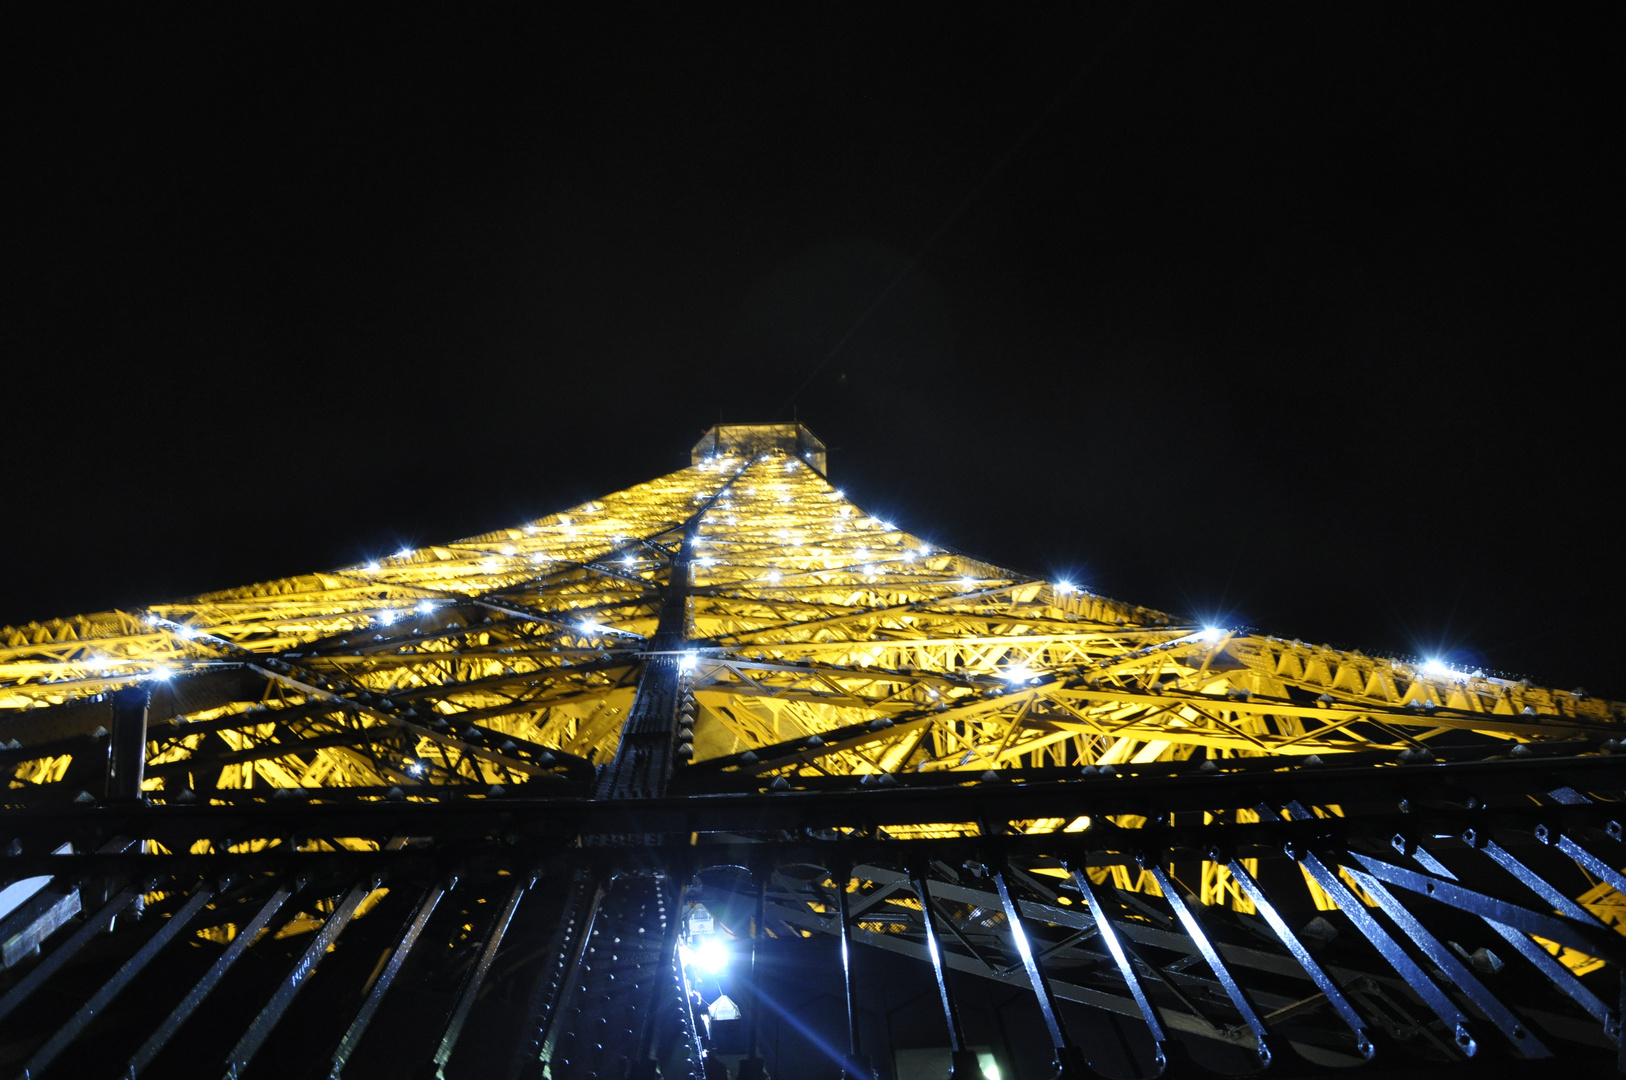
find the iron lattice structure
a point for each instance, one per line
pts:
(473, 809)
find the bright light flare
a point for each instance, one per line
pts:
(711, 955)
(1438, 668)
(688, 661)
(1065, 587)
(424, 608)
(162, 674)
(1016, 673)
(1209, 633)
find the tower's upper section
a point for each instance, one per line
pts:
(750, 439)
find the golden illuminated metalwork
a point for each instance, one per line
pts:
(822, 641)
(424, 738)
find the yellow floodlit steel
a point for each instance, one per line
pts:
(821, 639)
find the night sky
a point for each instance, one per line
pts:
(1297, 317)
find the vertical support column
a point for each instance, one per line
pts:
(644, 759)
(753, 1067)
(1069, 1062)
(962, 1062)
(127, 745)
(843, 920)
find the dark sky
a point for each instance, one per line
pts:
(1298, 317)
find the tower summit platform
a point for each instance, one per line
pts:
(750, 440)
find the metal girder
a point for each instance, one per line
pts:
(783, 677)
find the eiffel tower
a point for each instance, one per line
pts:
(720, 776)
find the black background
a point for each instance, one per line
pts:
(1295, 317)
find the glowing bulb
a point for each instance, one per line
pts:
(404, 553)
(773, 575)
(372, 568)
(629, 561)
(706, 561)
(388, 618)
(924, 550)
(862, 553)
(425, 608)
(509, 549)
(1064, 587)
(711, 955)
(589, 627)
(840, 494)
(967, 582)
(98, 663)
(688, 662)
(1209, 633)
(490, 564)
(1437, 668)
(908, 556)
(161, 673)
(1017, 673)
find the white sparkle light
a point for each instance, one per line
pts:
(711, 955)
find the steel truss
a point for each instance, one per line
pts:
(494, 780)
